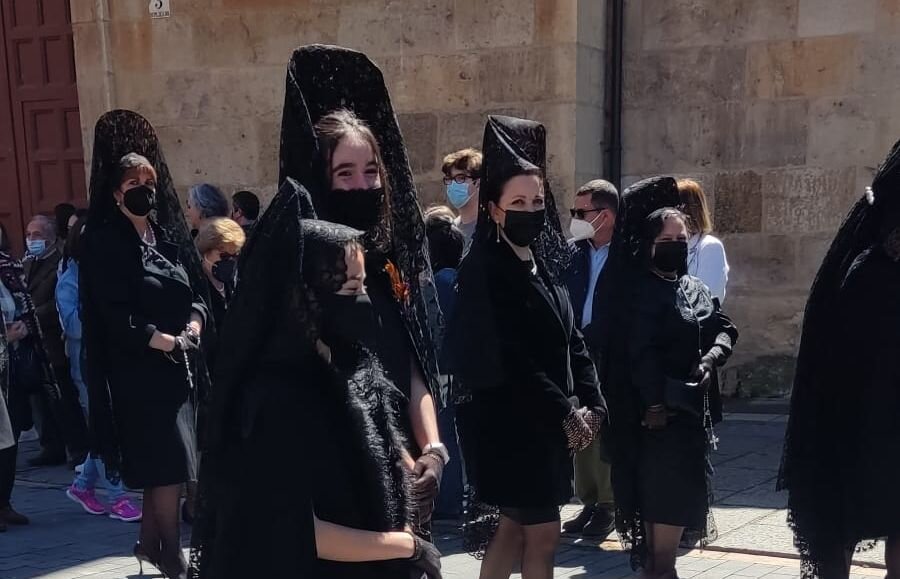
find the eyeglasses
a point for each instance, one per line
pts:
(581, 213)
(460, 178)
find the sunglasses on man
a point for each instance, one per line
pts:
(582, 213)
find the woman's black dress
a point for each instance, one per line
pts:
(674, 324)
(137, 289)
(520, 457)
(866, 386)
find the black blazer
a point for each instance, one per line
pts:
(513, 333)
(515, 345)
(577, 282)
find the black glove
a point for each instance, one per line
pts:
(186, 342)
(426, 559)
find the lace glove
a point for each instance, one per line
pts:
(578, 433)
(426, 559)
(594, 420)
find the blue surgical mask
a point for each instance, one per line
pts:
(458, 194)
(36, 246)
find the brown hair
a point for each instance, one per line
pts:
(334, 128)
(220, 233)
(695, 207)
(468, 160)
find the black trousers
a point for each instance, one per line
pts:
(61, 423)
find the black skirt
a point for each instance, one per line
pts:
(155, 422)
(673, 474)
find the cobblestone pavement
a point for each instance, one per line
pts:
(64, 543)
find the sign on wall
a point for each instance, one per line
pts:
(160, 8)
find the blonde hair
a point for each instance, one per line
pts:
(695, 206)
(220, 233)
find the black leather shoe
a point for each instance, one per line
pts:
(48, 458)
(600, 526)
(576, 525)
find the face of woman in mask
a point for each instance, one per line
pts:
(520, 210)
(357, 196)
(669, 251)
(220, 266)
(136, 195)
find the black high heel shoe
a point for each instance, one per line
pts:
(176, 569)
(143, 556)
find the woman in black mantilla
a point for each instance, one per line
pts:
(341, 140)
(299, 375)
(677, 339)
(513, 343)
(143, 315)
(840, 462)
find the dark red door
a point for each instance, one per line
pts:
(40, 99)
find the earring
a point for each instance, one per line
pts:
(498, 231)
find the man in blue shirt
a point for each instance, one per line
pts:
(592, 226)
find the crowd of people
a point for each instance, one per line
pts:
(373, 367)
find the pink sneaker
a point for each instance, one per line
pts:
(86, 499)
(124, 510)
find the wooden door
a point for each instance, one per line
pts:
(42, 100)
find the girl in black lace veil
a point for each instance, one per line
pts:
(335, 97)
(839, 464)
(299, 376)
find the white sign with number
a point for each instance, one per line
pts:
(160, 8)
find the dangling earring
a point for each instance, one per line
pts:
(498, 231)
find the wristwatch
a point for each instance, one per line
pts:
(439, 449)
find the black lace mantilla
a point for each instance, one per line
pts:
(116, 134)
(322, 79)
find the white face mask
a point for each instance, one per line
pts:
(581, 229)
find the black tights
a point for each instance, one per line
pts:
(839, 566)
(7, 472)
(160, 530)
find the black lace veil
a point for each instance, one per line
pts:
(116, 134)
(511, 147)
(322, 79)
(805, 470)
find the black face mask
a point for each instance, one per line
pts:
(523, 227)
(356, 208)
(348, 321)
(139, 200)
(670, 256)
(224, 270)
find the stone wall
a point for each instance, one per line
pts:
(211, 77)
(781, 108)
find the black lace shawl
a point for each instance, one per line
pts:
(808, 459)
(116, 134)
(322, 79)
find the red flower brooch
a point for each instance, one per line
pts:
(400, 287)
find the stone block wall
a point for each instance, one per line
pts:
(781, 109)
(211, 77)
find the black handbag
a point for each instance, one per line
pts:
(687, 397)
(28, 369)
